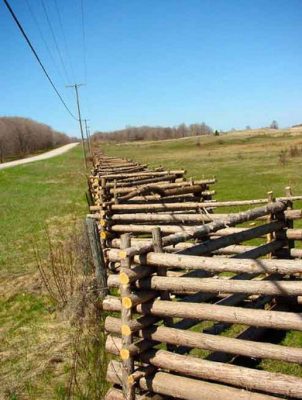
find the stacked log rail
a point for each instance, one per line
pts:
(125, 202)
(242, 294)
(188, 263)
(115, 182)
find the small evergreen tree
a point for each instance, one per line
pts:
(274, 125)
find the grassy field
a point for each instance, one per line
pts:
(45, 196)
(246, 164)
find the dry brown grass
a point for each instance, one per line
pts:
(52, 337)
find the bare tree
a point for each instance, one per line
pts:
(154, 133)
(22, 136)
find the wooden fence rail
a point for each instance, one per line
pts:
(196, 304)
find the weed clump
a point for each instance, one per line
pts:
(283, 159)
(68, 277)
(292, 152)
(295, 151)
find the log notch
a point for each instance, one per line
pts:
(126, 316)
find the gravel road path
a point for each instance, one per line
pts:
(44, 156)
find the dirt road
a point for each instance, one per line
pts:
(40, 157)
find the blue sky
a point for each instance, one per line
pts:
(229, 63)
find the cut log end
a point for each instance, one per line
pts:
(124, 279)
(122, 254)
(125, 330)
(124, 354)
(126, 302)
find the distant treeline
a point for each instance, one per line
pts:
(154, 133)
(22, 136)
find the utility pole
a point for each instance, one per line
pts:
(76, 86)
(88, 136)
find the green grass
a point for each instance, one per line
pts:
(36, 199)
(32, 196)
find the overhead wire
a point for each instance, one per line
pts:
(83, 39)
(31, 11)
(16, 20)
(66, 47)
(55, 40)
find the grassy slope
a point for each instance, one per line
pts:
(246, 166)
(32, 197)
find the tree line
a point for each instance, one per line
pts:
(22, 136)
(154, 133)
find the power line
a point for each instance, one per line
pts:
(36, 56)
(43, 39)
(55, 40)
(64, 38)
(84, 39)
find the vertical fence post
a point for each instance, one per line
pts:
(126, 316)
(270, 236)
(280, 235)
(161, 271)
(97, 256)
(289, 223)
(89, 192)
(103, 198)
(114, 191)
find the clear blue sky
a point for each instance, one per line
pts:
(230, 63)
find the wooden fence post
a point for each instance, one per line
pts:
(97, 256)
(126, 316)
(270, 236)
(103, 213)
(164, 295)
(289, 223)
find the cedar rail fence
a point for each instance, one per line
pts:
(196, 298)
